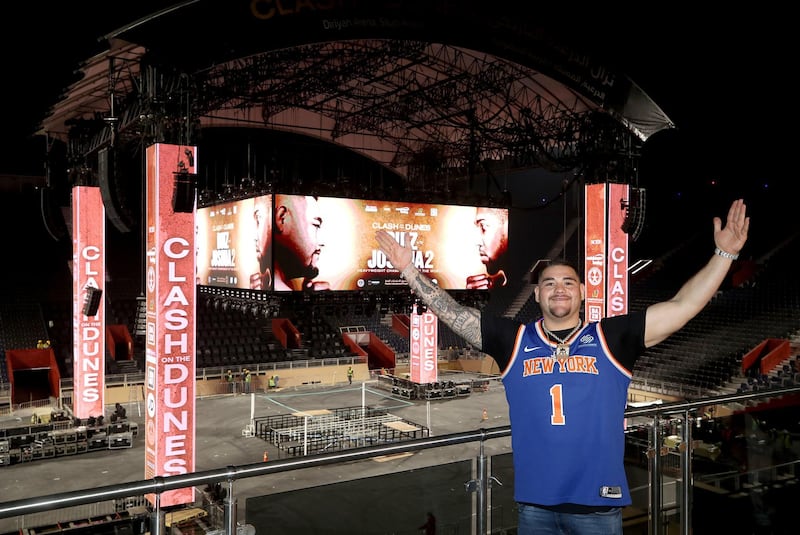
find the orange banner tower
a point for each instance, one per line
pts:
(423, 349)
(606, 269)
(170, 332)
(88, 305)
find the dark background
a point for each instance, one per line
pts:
(722, 77)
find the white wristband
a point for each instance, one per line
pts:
(723, 254)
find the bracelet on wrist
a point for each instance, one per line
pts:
(725, 254)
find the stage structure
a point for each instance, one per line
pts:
(447, 98)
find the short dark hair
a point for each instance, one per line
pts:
(560, 262)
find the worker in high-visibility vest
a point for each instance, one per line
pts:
(247, 377)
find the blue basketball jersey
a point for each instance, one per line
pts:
(567, 416)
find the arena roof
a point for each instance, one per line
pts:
(413, 85)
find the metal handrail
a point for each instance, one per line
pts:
(161, 484)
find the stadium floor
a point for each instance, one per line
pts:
(350, 497)
(220, 442)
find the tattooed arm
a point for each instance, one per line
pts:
(464, 321)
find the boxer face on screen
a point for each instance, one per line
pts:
(297, 236)
(492, 227)
(263, 223)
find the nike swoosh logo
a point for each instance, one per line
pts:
(527, 349)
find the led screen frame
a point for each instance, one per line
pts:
(337, 237)
(231, 237)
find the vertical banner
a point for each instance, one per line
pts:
(170, 343)
(423, 354)
(88, 271)
(606, 270)
(595, 239)
(617, 274)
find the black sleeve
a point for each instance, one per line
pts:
(625, 337)
(498, 336)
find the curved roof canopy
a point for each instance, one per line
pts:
(414, 85)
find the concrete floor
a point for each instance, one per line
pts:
(220, 443)
(294, 502)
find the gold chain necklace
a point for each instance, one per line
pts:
(562, 349)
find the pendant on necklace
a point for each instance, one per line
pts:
(562, 351)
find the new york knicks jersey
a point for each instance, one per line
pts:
(567, 415)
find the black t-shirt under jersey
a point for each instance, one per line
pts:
(624, 335)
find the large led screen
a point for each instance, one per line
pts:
(232, 245)
(328, 243)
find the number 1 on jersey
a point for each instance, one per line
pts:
(557, 405)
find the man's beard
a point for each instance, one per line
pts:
(264, 263)
(493, 266)
(311, 272)
(294, 267)
(562, 314)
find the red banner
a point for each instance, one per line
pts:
(88, 270)
(606, 274)
(617, 275)
(423, 354)
(594, 275)
(170, 343)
